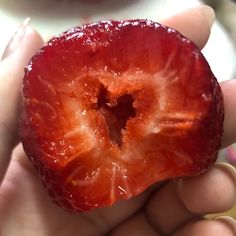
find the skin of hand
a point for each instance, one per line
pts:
(176, 207)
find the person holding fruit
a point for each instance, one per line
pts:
(176, 207)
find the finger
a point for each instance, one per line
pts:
(110, 217)
(137, 225)
(166, 211)
(181, 201)
(208, 228)
(228, 89)
(229, 221)
(17, 54)
(212, 192)
(194, 23)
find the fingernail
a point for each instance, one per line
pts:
(231, 171)
(16, 39)
(229, 221)
(209, 14)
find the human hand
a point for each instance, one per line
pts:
(172, 208)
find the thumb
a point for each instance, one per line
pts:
(19, 50)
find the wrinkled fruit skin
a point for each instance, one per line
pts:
(112, 107)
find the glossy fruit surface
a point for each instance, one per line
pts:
(112, 107)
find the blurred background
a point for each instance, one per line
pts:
(226, 14)
(51, 17)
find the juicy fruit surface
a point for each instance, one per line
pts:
(113, 107)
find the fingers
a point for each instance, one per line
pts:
(229, 89)
(207, 228)
(120, 212)
(17, 54)
(184, 200)
(214, 191)
(137, 225)
(193, 23)
(165, 210)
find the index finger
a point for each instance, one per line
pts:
(194, 24)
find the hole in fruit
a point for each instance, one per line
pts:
(116, 116)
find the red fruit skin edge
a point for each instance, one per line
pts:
(40, 127)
